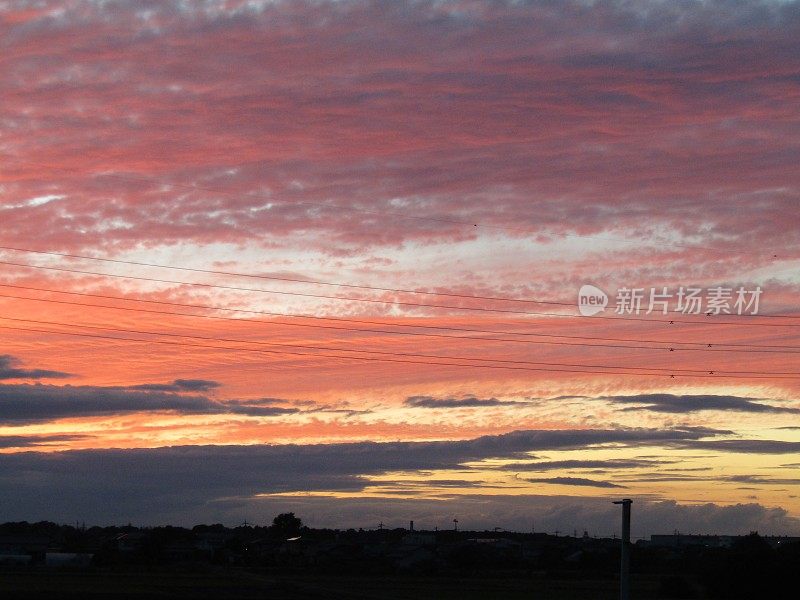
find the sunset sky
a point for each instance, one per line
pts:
(259, 256)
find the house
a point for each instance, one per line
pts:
(68, 559)
(32, 546)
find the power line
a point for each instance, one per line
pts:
(280, 292)
(385, 302)
(324, 283)
(316, 354)
(395, 353)
(287, 279)
(672, 375)
(671, 346)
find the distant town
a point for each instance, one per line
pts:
(298, 561)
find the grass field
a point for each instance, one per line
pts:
(235, 584)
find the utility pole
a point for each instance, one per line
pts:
(625, 558)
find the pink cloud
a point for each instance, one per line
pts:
(555, 118)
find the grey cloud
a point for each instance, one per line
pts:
(25, 403)
(756, 479)
(465, 402)
(661, 477)
(179, 385)
(670, 403)
(25, 441)
(579, 481)
(437, 483)
(583, 464)
(118, 483)
(748, 479)
(9, 370)
(740, 446)
(264, 407)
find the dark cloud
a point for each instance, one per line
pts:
(465, 402)
(179, 385)
(425, 485)
(761, 479)
(661, 477)
(263, 407)
(25, 441)
(553, 465)
(9, 370)
(670, 403)
(748, 479)
(741, 446)
(579, 481)
(114, 483)
(25, 403)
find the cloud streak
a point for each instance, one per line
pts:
(553, 465)
(465, 402)
(27, 441)
(9, 370)
(574, 481)
(670, 403)
(24, 403)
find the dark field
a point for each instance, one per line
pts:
(237, 584)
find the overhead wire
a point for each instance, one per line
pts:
(283, 278)
(664, 344)
(394, 353)
(386, 301)
(392, 357)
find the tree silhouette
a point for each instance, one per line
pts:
(286, 525)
